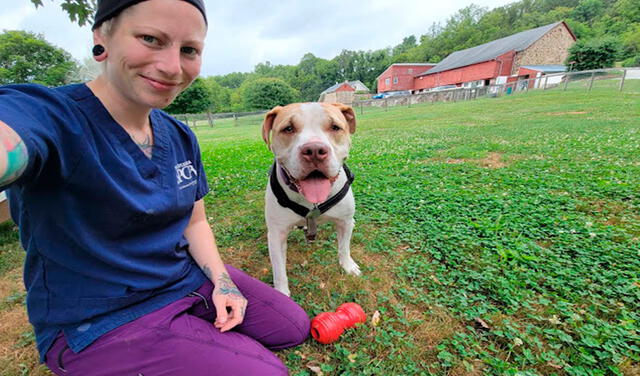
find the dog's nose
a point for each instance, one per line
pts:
(314, 151)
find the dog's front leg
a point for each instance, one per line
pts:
(278, 254)
(344, 229)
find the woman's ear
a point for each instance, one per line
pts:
(99, 50)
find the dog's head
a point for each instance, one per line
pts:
(311, 141)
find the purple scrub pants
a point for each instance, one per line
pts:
(180, 339)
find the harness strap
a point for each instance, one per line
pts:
(303, 211)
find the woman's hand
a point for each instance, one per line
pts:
(226, 294)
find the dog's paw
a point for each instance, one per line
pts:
(350, 267)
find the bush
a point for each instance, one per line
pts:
(265, 93)
(195, 99)
(593, 54)
(632, 61)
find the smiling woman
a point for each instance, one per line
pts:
(108, 193)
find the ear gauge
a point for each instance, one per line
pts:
(97, 50)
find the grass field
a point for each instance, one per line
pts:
(499, 236)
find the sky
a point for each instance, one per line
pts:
(243, 33)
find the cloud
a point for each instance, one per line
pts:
(14, 13)
(52, 22)
(246, 32)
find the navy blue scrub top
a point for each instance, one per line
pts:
(102, 224)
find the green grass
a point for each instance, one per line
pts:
(521, 211)
(498, 236)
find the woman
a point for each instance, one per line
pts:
(122, 271)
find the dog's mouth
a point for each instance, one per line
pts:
(316, 186)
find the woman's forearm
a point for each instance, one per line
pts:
(202, 244)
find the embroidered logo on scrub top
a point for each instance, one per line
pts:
(186, 174)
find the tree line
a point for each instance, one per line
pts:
(608, 33)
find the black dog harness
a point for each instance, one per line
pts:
(311, 229)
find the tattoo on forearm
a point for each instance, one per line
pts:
(17, 157)
(207, 272)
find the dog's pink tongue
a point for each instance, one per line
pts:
(316, 190)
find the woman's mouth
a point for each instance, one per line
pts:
(160, 84)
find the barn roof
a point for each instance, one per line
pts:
(405, 64)
(546, 68)
(489, 51)
(357, 84)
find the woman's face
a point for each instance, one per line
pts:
(154, 51)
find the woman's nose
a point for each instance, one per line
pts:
(170, 62)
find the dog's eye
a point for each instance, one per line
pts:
(288, 129)
(335, 128)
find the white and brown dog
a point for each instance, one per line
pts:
(309, 182)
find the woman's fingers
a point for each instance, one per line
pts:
(227, 320)
(236, 316)
(226, 295)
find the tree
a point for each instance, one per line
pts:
(265, 93)
(220, 96)
(28, 57)
(587, 10)
(407, 44)
(80, 11)
(593, 54)
(631, 40)
(232, 80)
(266, 69)
(195, 99)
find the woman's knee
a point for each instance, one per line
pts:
(272, 318)
(299, 327)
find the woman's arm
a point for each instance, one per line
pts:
(13, 155)
(202, 246)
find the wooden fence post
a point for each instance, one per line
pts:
(546, 78)
(210, 119)
(567, 77)
(235, 120)
(624, 75)
(591, 81)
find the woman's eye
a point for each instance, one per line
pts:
(189, 51)
(149, 39)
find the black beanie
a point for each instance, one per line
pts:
(108, 9)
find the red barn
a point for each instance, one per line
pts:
(345, 87)
(343, 92)
(499, 61)
(399, 77)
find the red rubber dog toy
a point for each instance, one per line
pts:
(328, 326)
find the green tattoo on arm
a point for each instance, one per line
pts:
(13, 155)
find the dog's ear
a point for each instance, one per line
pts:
(268, 123)
(348, 113)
